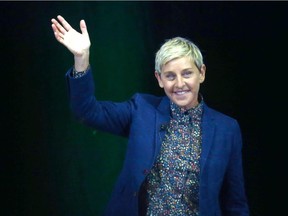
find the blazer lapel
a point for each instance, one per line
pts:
(208, 130)
(162, 121)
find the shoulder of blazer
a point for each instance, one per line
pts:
(150, 100)
(218, 117)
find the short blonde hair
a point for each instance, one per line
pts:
(177, 47)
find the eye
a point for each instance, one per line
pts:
(187, 74)
(170, 76)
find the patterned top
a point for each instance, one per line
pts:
(173, 183)
(78, 74)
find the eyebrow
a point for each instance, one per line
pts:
(186, 69)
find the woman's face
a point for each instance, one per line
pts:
(181, 79)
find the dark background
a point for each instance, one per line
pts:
(53, 165)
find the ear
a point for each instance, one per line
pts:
(158, 77)
(202, 73)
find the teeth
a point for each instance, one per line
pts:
(180, 93)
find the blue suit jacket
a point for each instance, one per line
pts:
(142, 119)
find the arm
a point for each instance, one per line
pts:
(77, 43)
(107, 116)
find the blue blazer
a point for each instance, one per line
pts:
(142, 119)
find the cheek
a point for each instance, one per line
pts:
(167, 86)
(195, 83)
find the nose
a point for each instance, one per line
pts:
(180, 82)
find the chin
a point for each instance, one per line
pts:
(182, 105)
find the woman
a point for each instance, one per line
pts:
(183, 158)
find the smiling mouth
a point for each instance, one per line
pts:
(181, 92)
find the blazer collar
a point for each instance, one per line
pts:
(164, 106)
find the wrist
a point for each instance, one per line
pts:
(81, 63)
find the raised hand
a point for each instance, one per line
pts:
(77, 43)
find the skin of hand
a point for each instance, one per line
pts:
(77, 43)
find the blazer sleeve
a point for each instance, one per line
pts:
(108, 116)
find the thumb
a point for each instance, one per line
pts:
(83, 27)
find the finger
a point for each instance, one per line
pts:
(59, 39)
(55, 24)
(64, 23)
(83, 27)
(58, 35)
(57, 27)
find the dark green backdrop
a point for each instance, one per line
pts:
(52, 165)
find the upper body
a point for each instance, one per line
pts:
(140, 119)
(216, 173)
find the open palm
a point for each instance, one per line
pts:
(77, 43)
